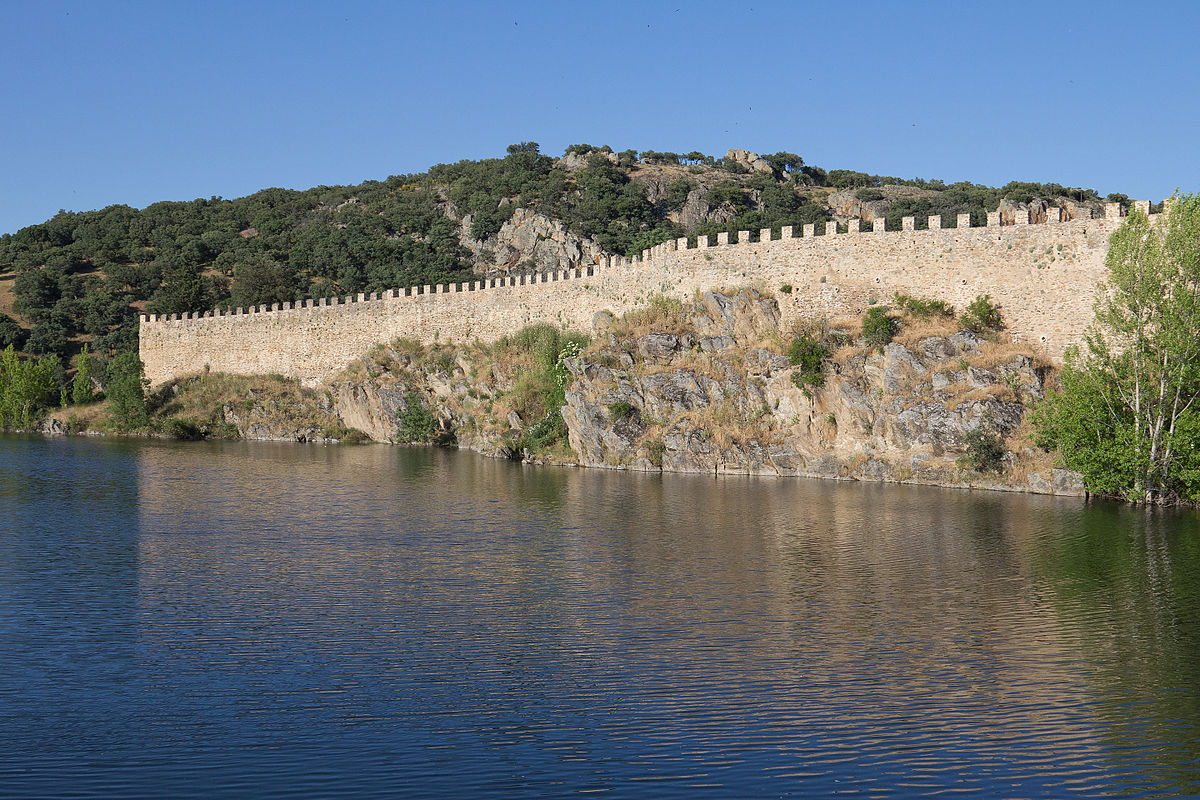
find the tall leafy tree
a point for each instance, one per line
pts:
(11, 333)
(26, 388)
(125, 388)
(183, 290)
(1128, 413)
(81, 386)
(261, 279)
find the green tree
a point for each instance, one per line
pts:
(11, 333)
(26, 388)
(183, 290)
(125, 388)
(1127, 415)
(784, 162)
(262, 280)
(48, 336)
(81, 386)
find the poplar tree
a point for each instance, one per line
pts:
(26, 386)
(81, 387)
(1127, 415)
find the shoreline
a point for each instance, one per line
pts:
(1067, 483)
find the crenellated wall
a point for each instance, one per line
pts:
(1044, 277)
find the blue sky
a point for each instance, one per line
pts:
(129, 102)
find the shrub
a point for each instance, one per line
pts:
(415, 422)
(345, 435)
(654, 451)
(540, 393)
(547, 432)
(877, 327)
(983, 451)
(982, 315)
(809, 355)
(923, 307)
(786, 288)
(620, 410)
(184, 429)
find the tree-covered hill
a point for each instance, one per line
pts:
(83, 277)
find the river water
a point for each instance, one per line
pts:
(257, 620)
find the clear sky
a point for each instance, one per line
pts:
(133, 102)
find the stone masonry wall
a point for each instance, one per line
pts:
(1043, 276)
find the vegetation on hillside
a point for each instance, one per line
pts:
(83, 277)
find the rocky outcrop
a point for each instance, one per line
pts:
(573, 162)
(750, 160)
(369, 406)
(718, 402)
(714, 393)
(528, 242)
(846, 204)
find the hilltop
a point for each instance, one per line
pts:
(83, 277)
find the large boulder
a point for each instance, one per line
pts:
(746, 316)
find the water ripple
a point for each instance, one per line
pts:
(237, 620)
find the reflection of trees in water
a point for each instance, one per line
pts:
(1125, 584)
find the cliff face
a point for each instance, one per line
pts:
(703, 386)
(707, 388)
(723, 400)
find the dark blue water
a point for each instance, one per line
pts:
(250, 620)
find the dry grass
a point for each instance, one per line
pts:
(727, 426)
(913, 330)
(960, 394)
(278, 402)
(758, 284)
(848, 468)
(843, 355)
(661, 314)
(77, 419)
(698, 362)
(996, 354)
(1028, 458)
(851, 324)
(7, 298)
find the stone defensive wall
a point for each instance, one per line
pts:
(1043, 275)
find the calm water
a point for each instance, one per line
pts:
(252, 620)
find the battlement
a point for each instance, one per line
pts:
(1043, 273)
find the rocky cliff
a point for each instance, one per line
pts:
(530, 242)
(707, 387)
